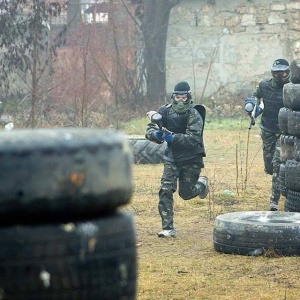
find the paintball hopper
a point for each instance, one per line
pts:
(154, 116)
(249, 107)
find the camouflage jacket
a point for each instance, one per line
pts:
(188, 134)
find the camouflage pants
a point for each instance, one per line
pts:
(187, 175)
(271, 156)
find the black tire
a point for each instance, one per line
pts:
(146, 152)
(297, 149)
(282, 184)
(62, 174)
(292, 201)
(294, 123)
(295, 70)
(292, 175)
(92, 260)
(255, 232)
(287, 147)
(291, 93)
(283, 120)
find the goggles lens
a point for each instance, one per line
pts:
(180, 97)
(280, 74)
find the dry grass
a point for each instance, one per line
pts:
(188, 267)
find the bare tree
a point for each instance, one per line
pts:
(126, 71)
(97, 65)
(26, 52)
(155, 27)
(112, 67)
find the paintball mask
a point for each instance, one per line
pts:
(281, 72)
(181, 97)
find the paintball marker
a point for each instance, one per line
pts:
(253, 110)
(156, 118)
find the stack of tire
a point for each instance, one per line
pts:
(289, 124)
(63, 234)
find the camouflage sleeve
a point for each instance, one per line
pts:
(193, 134)
(151, 127)
(257, 93)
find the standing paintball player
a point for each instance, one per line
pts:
(183, 157)
(271, 92)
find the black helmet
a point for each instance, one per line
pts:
(181, 88)
(279, 67)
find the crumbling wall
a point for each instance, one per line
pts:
(221, 47)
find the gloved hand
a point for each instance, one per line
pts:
(249, 104)
(158, 135)
(258, 111)
(169, 137)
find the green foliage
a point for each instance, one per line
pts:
(227, 124)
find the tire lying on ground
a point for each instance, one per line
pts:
(84, 260)
(255, 232)
(62, 174)
(146, 152)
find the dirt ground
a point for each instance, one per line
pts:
(188, 267)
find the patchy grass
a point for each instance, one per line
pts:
(138, 126)
(188, 267)
(135, 126)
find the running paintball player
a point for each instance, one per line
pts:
(181, 128)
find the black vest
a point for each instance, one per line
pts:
(177, 123)
(273, 100)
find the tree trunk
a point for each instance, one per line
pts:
(155, 27)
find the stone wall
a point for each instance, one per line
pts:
(223, 47)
